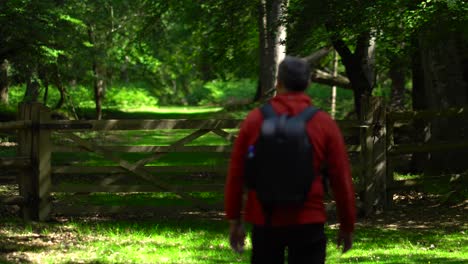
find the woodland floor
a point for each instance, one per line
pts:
(411, 211)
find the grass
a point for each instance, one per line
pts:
(407, 176)
(205, 241)
(375, 245)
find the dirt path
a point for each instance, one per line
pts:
(410, 210)
(415, 210)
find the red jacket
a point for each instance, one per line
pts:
(328, 147)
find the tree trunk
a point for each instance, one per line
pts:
(272, 37)
(359, 66)
(4, 84)
(124, 70)
(443, 59)
(32, 91)
(58, 83)
(98, 80)
(397, 75)
(333, 94)
(418, 95)
(32, 87)
(43, 76)
(98, 90)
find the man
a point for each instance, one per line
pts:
(300, 230)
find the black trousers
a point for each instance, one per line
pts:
(303, 243)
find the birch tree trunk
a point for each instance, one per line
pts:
(335, 74)
(272, 44)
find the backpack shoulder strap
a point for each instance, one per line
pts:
(308, 113)
(268, 111)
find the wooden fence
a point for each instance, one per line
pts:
(406, 123)
(37, 143)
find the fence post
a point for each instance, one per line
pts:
(35, 182)
(390, 170)
(373, 153)
(379, 159)
(24, 150)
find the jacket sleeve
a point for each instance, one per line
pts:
(235, 179)
(340, 178)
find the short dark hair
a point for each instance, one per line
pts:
(294, 74)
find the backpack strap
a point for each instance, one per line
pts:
(308, 113)
(268, 111)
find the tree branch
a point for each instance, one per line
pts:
(323, 77)
(314, 58)
(342, 49)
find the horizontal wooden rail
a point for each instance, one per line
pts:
(15, 162)
(165, 149)
(134, 188)
(427, 147)
(77, 210)
(146, 149)
(353, 148)
(343, 124)
(427, 115)
(108, 125)
(12, 200)
(13, 125)
(117, 169)
(7, 178)
(414, 183)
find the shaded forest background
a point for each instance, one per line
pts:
(76, 55)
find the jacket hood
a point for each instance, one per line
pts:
(291, 102)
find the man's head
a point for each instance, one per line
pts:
(293, 74)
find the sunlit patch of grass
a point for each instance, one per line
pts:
(408, 176)
(205, 241)
(173, 109)
(407, 246)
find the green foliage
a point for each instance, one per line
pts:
(321, 97)
(128, 96)
(222, 92)
(182, 49)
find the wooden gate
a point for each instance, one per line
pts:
(39, 138)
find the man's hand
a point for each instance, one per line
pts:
(345, 239)
(236, 236)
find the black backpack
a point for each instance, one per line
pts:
(279, 165)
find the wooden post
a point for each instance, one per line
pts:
(24, 150)
(379, 159)
(365, 138)
(373, 154)
(35, 182)
(389, 168)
